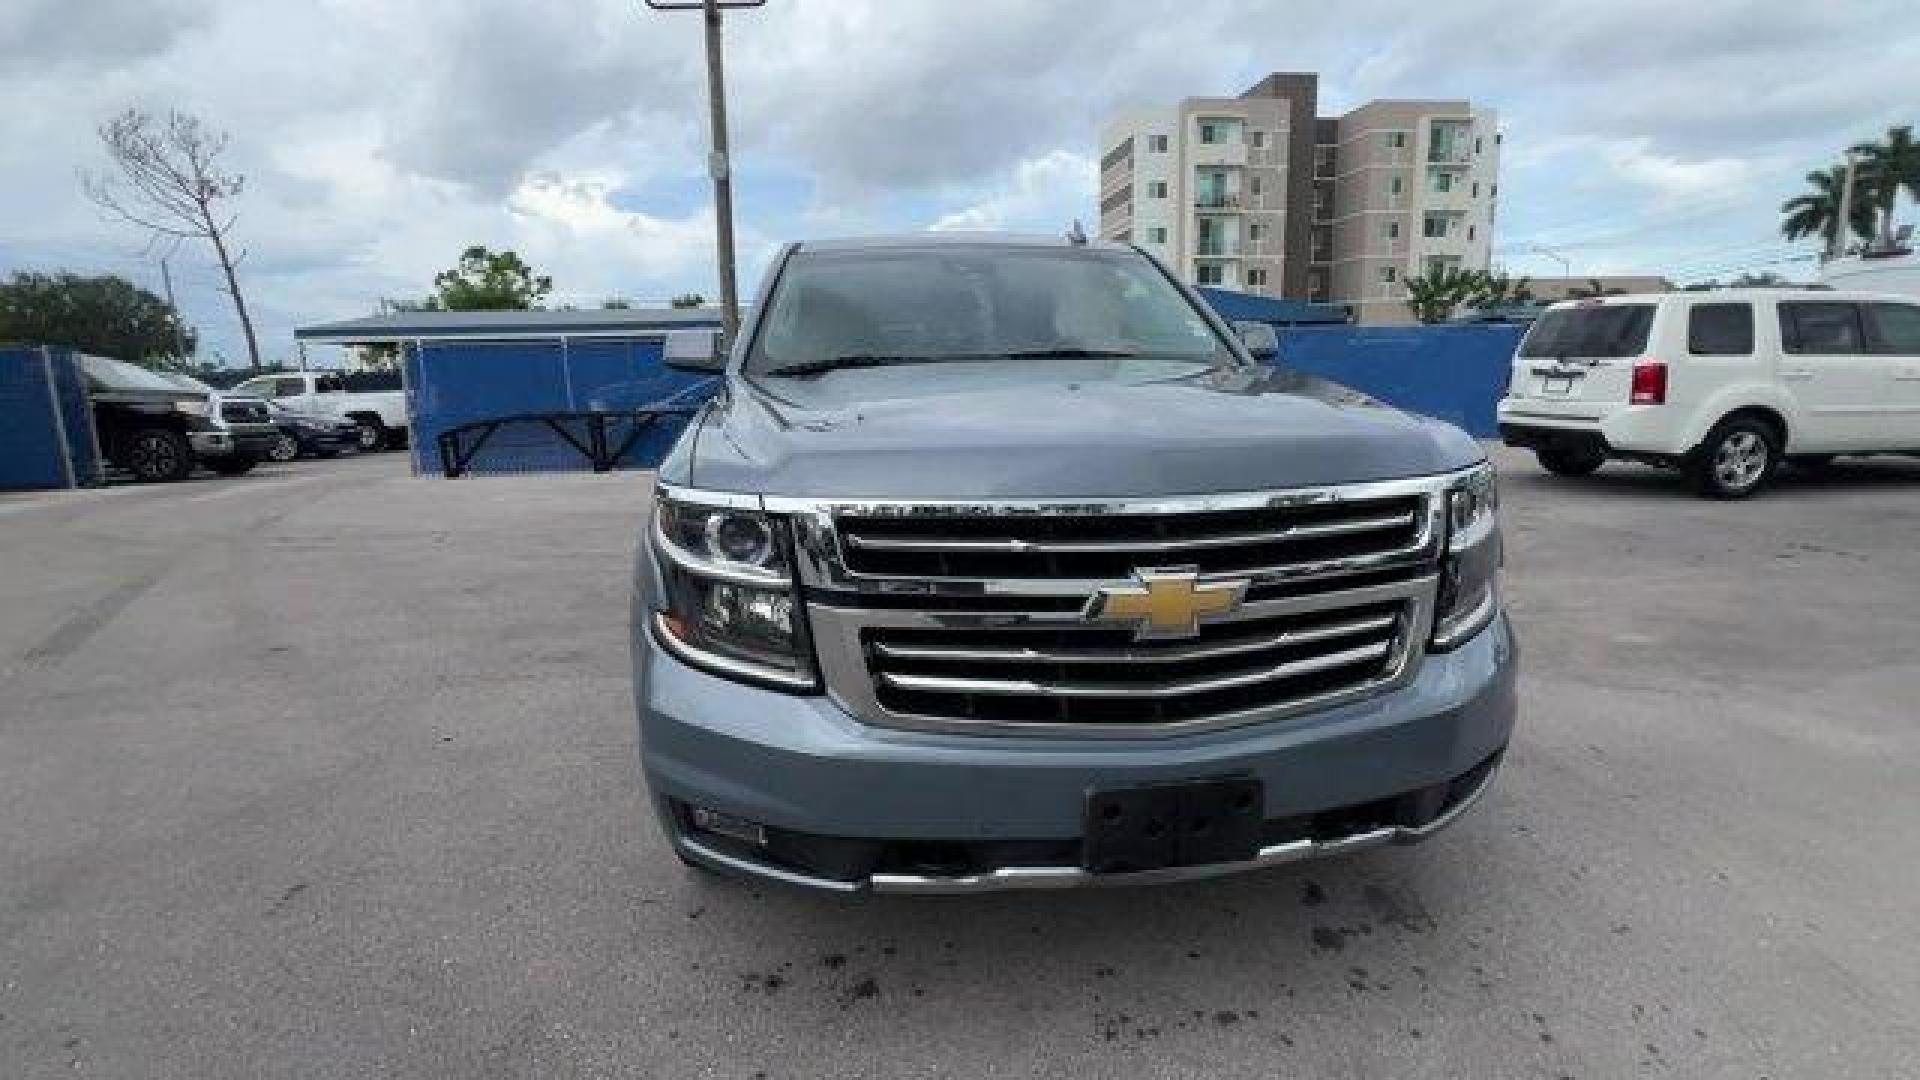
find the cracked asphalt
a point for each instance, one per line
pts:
(330, 772)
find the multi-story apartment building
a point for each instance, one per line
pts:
(1260, 193)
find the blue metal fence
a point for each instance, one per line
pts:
(46, 425)
(454, 383)
(1455, 373)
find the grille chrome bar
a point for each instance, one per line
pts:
(1175, 654)
(1053, 689)
(1015, 545)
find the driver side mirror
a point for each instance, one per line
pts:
(1258, 338)
(701, 349)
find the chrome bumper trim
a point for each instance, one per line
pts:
(1017, 878)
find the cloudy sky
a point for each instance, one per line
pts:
(380, 137)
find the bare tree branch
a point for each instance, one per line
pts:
(169, 182)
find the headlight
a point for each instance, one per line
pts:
(1469, 594)
(731, 606)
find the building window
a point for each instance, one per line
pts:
(1396, 140)
(1440, 180)
(1157, 234)
(1493, 191)
(1469, 234)
(1434, 227)
(1392, 230)
(1396, 184)
(1253, 230)
(1156, 189)
(1156, 144)
(1476, 144)
(1259, 138)
(1256, 276)
(1496, 137)
(1212, 132)
(1209, 274)
(1253, 185)
(1389, 274)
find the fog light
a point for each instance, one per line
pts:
(727, 825)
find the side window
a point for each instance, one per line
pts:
(289, 387)
(329, 384)
(1821, 329)
(1896, 328)
(254, 388)
(1720, 330)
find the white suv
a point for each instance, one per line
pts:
(1722, 385)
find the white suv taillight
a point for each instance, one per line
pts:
(1649, 383)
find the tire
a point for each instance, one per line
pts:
(236, 465)
(159, 456)
(283, 448)
(1570, 460)
(1736, 458)
(373, 434)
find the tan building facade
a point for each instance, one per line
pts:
(1261, 194)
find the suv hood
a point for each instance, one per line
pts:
(922, 432)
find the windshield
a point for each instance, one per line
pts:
(980, 303)
(1607, 330)
(106, 375)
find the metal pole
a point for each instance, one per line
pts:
(1843, 214)
(722, 182)
(179, 332)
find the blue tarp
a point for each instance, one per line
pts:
(34, 416)
(1455, 373)
(451, 383)
(1239, 306)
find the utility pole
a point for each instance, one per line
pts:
(179, 331)
(1566, 264)
(718, 165)
(1843, 214)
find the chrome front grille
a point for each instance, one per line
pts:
(969, 617)
(1244, 540)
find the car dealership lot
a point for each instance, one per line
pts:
(330, 771)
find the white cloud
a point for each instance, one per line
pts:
(1059, 185)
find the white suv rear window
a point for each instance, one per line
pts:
(1602, 330)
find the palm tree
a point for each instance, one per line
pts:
(1885, 168)
(1817, 212)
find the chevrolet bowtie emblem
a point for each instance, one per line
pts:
(1168, 603)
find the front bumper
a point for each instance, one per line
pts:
(849, 807)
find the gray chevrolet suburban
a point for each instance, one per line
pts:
(1002, 562)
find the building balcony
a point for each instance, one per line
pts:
(1216, 154)
(1212, 200)
(1217, 248)
(1449, 159)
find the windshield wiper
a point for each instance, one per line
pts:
(865, 360)
(852, 360)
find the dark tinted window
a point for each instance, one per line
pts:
(289, 387)
(1720, 330)
(1601, 330)
(1820, 328)
(1896, 328)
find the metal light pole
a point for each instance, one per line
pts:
(1566, 264)
(717, 164)
(1843, 214)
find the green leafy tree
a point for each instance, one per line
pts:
(1434, 295)
(488, 281)
(1765, 280)
(689, 300)
(1817, 213)
(1886, 168)
(107, 316)
(1499, 290)
(615, 303)
(1594, 289)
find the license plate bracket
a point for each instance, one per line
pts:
(1191, 823)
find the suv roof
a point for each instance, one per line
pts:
(953, 239)
(1721, 296)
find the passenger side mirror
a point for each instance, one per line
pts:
(1259, 338)
(703, 349)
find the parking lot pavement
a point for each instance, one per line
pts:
(330, 771)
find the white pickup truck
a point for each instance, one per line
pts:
(381, 415)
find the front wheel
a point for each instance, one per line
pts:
(1570, 460)
(157, 455)
(373, 434)
(1735, 459)
(283, 448)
